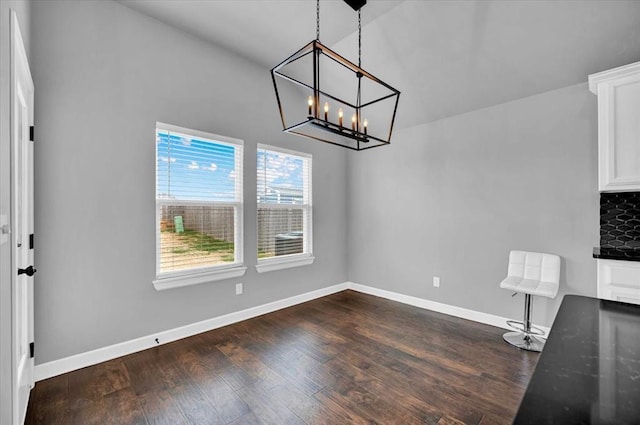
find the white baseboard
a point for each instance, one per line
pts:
(451, 310)
(78, 361)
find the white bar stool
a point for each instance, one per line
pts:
(530, 273)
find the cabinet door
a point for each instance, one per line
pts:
(619, 281)
(619, 133)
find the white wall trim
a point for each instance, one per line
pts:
(451, 310)
(78, 361)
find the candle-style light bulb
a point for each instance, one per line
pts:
(353, 122)
(340, 117)
(365, 124)
(326, 111)
(310, 101)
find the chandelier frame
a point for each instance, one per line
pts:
(320, 128)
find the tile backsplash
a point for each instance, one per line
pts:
(620, 220)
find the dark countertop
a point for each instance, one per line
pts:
(625, 254)
(589, 370)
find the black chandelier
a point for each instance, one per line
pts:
(323, 96)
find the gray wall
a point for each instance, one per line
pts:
(448, 198)
(104, 75)
(452, 197)
(23, 11)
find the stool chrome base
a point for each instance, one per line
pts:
(524, 341)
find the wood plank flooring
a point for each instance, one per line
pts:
(347, 358)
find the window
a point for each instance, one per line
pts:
(198, 207)
(284, 209)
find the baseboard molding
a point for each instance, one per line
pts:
(463, 313)
(78, 361)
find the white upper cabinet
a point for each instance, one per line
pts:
(618, 93)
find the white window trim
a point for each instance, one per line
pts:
(180, 278)
(198, 278)
(284, 262)
(294, 260)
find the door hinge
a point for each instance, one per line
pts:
(31, 133)
(31, 241)
(32, 349)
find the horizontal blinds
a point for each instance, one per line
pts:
(197, 169)
(284, 202)
(198, 197)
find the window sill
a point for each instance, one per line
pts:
(284, 263)
(195, 279)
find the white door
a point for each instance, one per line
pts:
(22, 225)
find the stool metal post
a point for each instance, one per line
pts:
(525, 337)
(527, 313)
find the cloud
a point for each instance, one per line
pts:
(193, 166)
(185, 141)
(165, 159)
(232, 175)
(276, 167)
(213, 167)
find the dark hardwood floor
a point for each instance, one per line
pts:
(348, 358)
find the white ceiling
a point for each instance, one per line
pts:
(446, 57)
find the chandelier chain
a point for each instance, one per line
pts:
(317, 19)
(359, 41)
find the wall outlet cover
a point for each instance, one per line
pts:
(4, 229)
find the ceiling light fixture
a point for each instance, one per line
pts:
(331, 87)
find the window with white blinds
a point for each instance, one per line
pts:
(284, 206)
(198, 202)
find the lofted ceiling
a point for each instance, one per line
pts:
(446, 57)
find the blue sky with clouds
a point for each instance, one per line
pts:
(194, 169)
(278, 173)
(197, 169)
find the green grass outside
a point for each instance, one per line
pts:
(197, 241)
(264, 254)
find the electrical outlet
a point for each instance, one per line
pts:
(4, 229)
(436, 281)
(238, 288)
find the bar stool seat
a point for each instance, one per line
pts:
(530, 273)
(530, 286)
